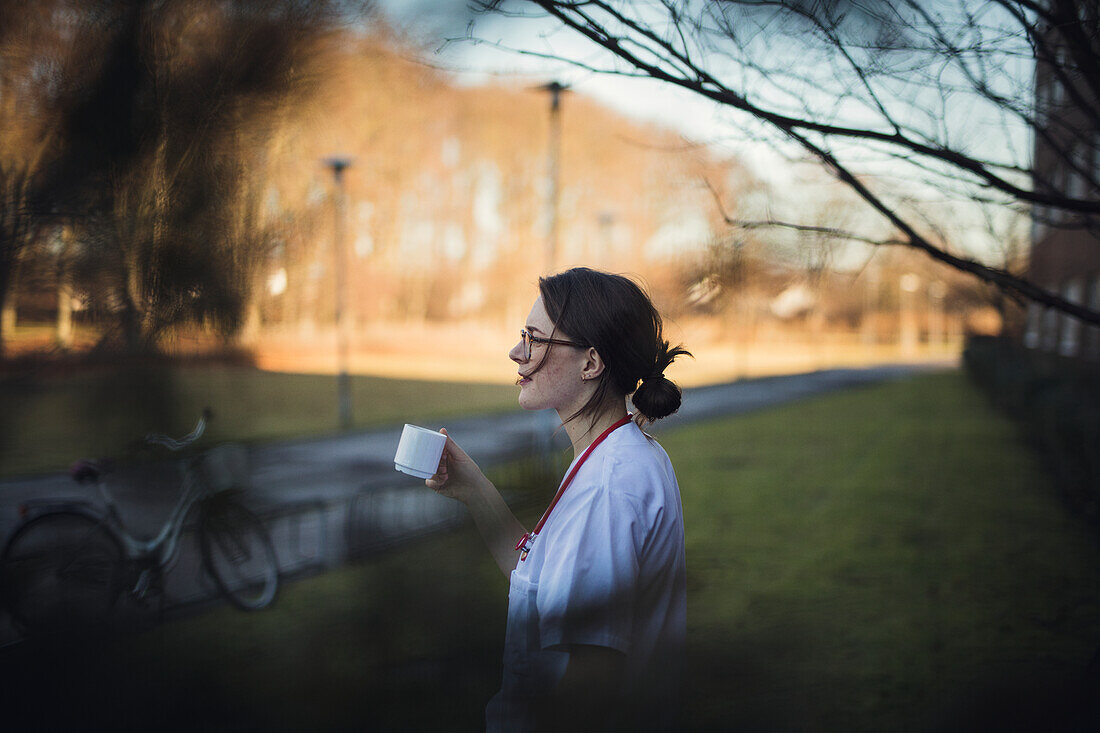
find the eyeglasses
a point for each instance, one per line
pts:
(529, 339)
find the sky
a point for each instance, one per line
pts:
(444, 28)
(432, 22)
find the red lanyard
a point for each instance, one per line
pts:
(524, 544)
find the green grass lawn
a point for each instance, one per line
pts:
(889, 558)
(47, 423)
(884, 559)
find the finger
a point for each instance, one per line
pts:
(438, 478)
(450, 446)
(452, 449)
(441, 469)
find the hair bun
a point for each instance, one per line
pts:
(657, 397)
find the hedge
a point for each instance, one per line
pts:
(1056, 400)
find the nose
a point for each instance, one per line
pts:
(516, 354)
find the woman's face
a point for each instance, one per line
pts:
(558, 384)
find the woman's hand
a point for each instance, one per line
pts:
(458, 476)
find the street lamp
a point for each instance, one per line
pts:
(544, 436)
(872, 282)
(936, 320)
(909, 284)
(338, 165)
(555, 90)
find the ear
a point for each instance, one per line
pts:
(593, 365)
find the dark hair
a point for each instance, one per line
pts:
(614, 315)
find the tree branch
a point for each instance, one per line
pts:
(704, 84)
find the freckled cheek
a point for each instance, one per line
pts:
(551, 382)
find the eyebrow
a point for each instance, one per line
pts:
(533, 328)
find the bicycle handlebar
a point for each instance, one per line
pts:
(176, 444)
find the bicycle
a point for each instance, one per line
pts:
(67, 563)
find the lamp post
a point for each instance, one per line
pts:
(909, 284)
(343, 382)
(936, 319)
(868, 326)
(544, 436)
(555, 90)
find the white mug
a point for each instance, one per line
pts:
(419, 451)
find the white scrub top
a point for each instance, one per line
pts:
(608, 569)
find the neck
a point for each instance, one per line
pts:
(581, 435)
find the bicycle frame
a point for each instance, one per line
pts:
(164, 545)
(236, 550)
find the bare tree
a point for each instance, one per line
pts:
(906, 102)
(32, 54)
(150, 114)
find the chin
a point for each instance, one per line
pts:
(528, 401)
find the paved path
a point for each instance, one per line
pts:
(326, 499)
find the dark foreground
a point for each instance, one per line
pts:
(880, 559)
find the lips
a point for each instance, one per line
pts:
(523, 380)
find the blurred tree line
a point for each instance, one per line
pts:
(161, 166)
(128, 132)
(162, 169)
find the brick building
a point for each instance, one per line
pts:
(1065, 245)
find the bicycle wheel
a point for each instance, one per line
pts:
(238, 553)
(61, 572)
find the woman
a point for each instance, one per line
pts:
(596, 604)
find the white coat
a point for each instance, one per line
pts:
(607, 569)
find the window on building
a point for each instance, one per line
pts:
(1091, 338)
(1039, 226)
(1034, 327)
(1096, 156)
(1077, 184)
(1070, 340)
(1063, 175)
(1042, 104)
(1048, 330)
(1057, 91)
